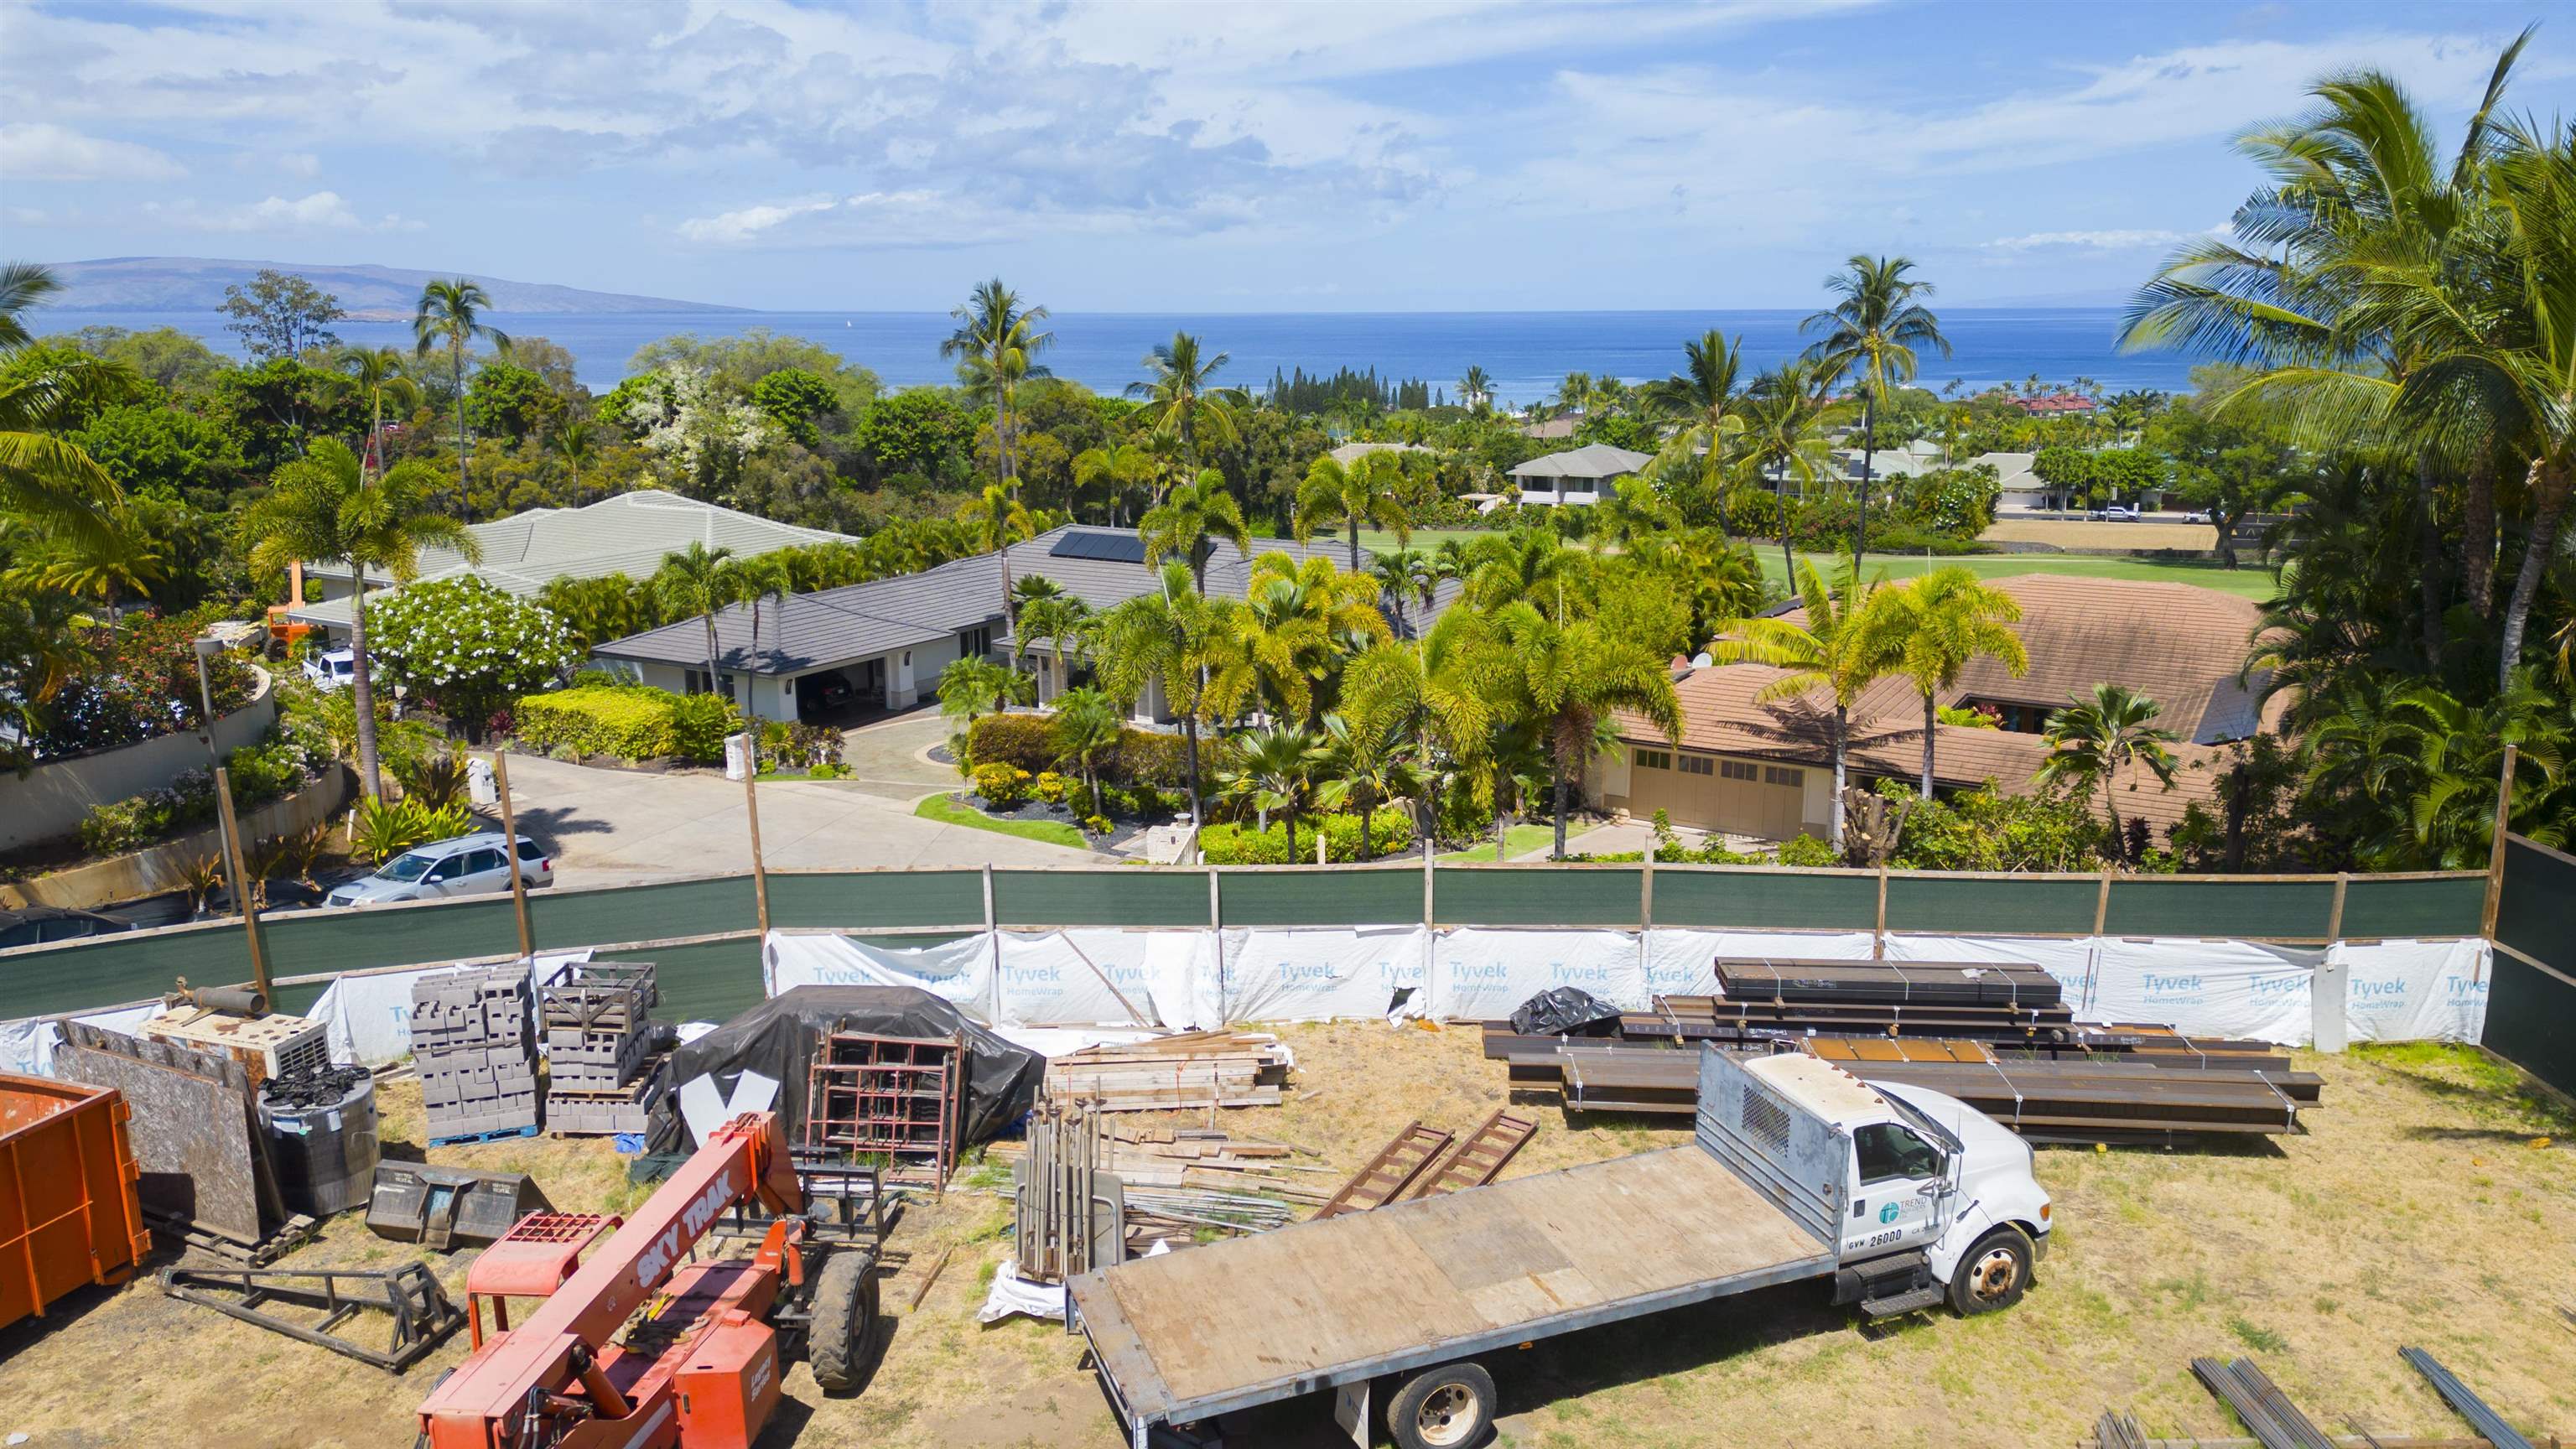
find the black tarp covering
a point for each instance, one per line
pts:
(778, 1039)
(1564, 1011)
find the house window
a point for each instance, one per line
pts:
(1654, 760)
(695, 682)
(1738, 770)
(1777, 775)
(1698, 765)
(975, 641)
(2022, 719)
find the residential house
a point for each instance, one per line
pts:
(628, 534)
(1580, 475)
(888, 639)
(2056, 404)
(1557, 429)
(1349, 453)
(1910, 460)
(1764, 768)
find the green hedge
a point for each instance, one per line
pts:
(1390, 833)
(632, 722)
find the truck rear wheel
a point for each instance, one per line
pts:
(1992, 1274)
(844, 1330)
(1450, 1407)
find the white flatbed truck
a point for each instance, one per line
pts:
(1900, 1196)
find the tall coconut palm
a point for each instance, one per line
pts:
(995, 348)
(450, 316)
(998, 520)
(1116, 473)
(1338, 494)
(327, 505)
(1188, 522)
(1871, 335)
(1705, 399)
(762, 580)
(46, 480)
(700, 582)
(1182, 399)
(2095, 741)
(1296, 621)
(1476, 391)
(1938, 625)
(1527, 563)
(1275, 768)
(1405, 573)
(1574, 394)
(380, 376)
(1054, 620)
(1442, 692)
(1789, 415)
(1833, 647)
(1172, 637)
(576, 441)
(1572, 674)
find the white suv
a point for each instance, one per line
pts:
(331, 669)
(469, 865)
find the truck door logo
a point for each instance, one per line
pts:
(1887, 1214)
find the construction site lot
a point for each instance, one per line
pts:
(2432, 1203)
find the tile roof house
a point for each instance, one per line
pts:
(628, 533)
(1349, 453)
(1764, 767)
(1577, 475)
(2055, 404)
(888, 639)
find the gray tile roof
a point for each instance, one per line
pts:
(841, 626)
(1592, 460)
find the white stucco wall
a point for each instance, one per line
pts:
(53, 799)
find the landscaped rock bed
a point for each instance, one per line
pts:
(1121, 832)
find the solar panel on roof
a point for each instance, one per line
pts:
(1104, 546)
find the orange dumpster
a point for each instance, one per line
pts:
(68, 1214)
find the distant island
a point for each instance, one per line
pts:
(369, 293)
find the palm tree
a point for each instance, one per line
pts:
(1171, 637)
(1364, 767)
(1182, 401)
(1274, 766)
(1116, 472)
(1053, 618)
(1527, 563)
(1573, 674)
(576, 442)
(1363, 491)
(757, 581)
(1188, 519)
(999, 521)
(44, 479)
(1789, 416)
(378, 374)
(1298, 618)
(1834, 647)
(1476, 391)
(1574, 394)
(449, 316)
(973, 685)
(995, 347)
(1442, 692)
(1870, 335)
(2094, 740)
(699, 581)
(1706, 401)
(1937, 625)
(327, 505)
(1086, 728)
(1405, 573)
(1632, 513)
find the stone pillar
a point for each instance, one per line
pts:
(900, 691)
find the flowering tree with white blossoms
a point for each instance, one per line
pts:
(699, 435)
(467, 647)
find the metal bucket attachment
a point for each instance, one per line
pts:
(449, 1207)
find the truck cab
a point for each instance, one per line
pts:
(1938, 1200)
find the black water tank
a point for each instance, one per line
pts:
(322, 1137)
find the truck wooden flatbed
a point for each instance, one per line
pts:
(1758, 1198)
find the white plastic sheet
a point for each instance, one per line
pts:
(1320, 973)
(2232, 989)
(959, 972)
(1070, 978)
(2415, 990)
(368, 1018)
(1481, 975)
(27, 1046)
(1012, 1293)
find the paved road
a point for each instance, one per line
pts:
(616, 827)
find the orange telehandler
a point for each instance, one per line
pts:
(700, 1366)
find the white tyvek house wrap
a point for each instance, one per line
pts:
(2416, 990)
(1320, 973)
(2232, 989)
(959, 972)
(1481, 975)
(27, 1045)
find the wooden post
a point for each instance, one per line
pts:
(1646, 894)
(241, 878)
(1878, 934)
(510, 848)
(751, 809)
(2495, 846)
(2334, 914)
(2102, 902)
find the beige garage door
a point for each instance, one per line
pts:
(1706, 792)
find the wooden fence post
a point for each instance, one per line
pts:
(1878, 934)
(2334, 914)
(241, 878)
(751, 810)
(2495, 846)
(2102, 902)
(510, 848)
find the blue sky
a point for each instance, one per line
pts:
(1207, 157)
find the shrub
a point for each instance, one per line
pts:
(1050, 787)
(632, 724)
(1024, 740)
(815, 747)
(387, 828)
(140, 681)
(699, 724)
(272, 769)
(1807, 850)
(1002, 785)
(1096, 824)
(465, 646)
(1149, 757)
(828, 770)
(1238, 843)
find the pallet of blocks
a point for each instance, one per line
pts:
(476, 1059)
(602, 1075)
(1194, 1069)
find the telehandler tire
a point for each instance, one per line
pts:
(844, 1334)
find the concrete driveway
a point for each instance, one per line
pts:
(618, 827)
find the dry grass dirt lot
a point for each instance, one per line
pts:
(2418, 1211)
(2148, 532)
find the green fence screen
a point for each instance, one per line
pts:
(1755, 899)
(1128, 897)
(2531, 1010)
(1541, 895)
(1970, 906)
(876, 900)
(2398, 909)
(1388, 896)
(2244, 910)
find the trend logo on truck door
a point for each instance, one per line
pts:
(657, 1257)
(1888, 1213)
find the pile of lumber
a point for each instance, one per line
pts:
(1194, 1069)
(1180, 1181)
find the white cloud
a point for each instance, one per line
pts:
(320, 211)
(41, 151)
(299, 163)
(2116, 240)
(751, 221)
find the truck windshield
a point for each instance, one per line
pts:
(1922, 1122)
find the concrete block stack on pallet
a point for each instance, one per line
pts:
(603, 1075)
(477, 1062)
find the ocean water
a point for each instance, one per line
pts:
(1526, 353)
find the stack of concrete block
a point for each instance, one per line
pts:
(603, 1074)
(476, 1058)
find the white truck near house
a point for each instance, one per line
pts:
(1900, 1197)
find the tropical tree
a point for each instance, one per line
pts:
(1405, 573)
(1336, 494)
(1051, 617)
(998, 521)
(1298, 620)
(450, 316)
(1117, 472)
(1871, 335)
(1789, 415)
(2428, 763)
(2095, 742)
(379, 375)
(1573, 674)
(1527, 563)
(1632, 513)
(761, 579)
(1172, 637)
(1363, 767)
(1936, 626)
(1442, 692)
(327, 505)
(1705, 400)
(1182, 399)
(700, 581)
(46, 481)
(1085, 729)
(995, 348)
(1831, 646)
(576, 441)
(973, 685)
(1275, 767)
(1188, 519)
(1476, 391)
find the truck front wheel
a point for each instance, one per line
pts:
(1992, 1274)
(1450, 1407)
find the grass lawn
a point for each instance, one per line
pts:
(1517, 841)
(2250, 582)
(1425, 539)
(949, 812)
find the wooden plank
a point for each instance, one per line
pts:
(1480, 1158)
(1384, 1177)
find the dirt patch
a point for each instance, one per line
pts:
(2082, 533)
(2416, 1212)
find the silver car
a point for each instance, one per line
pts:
(469, 865)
